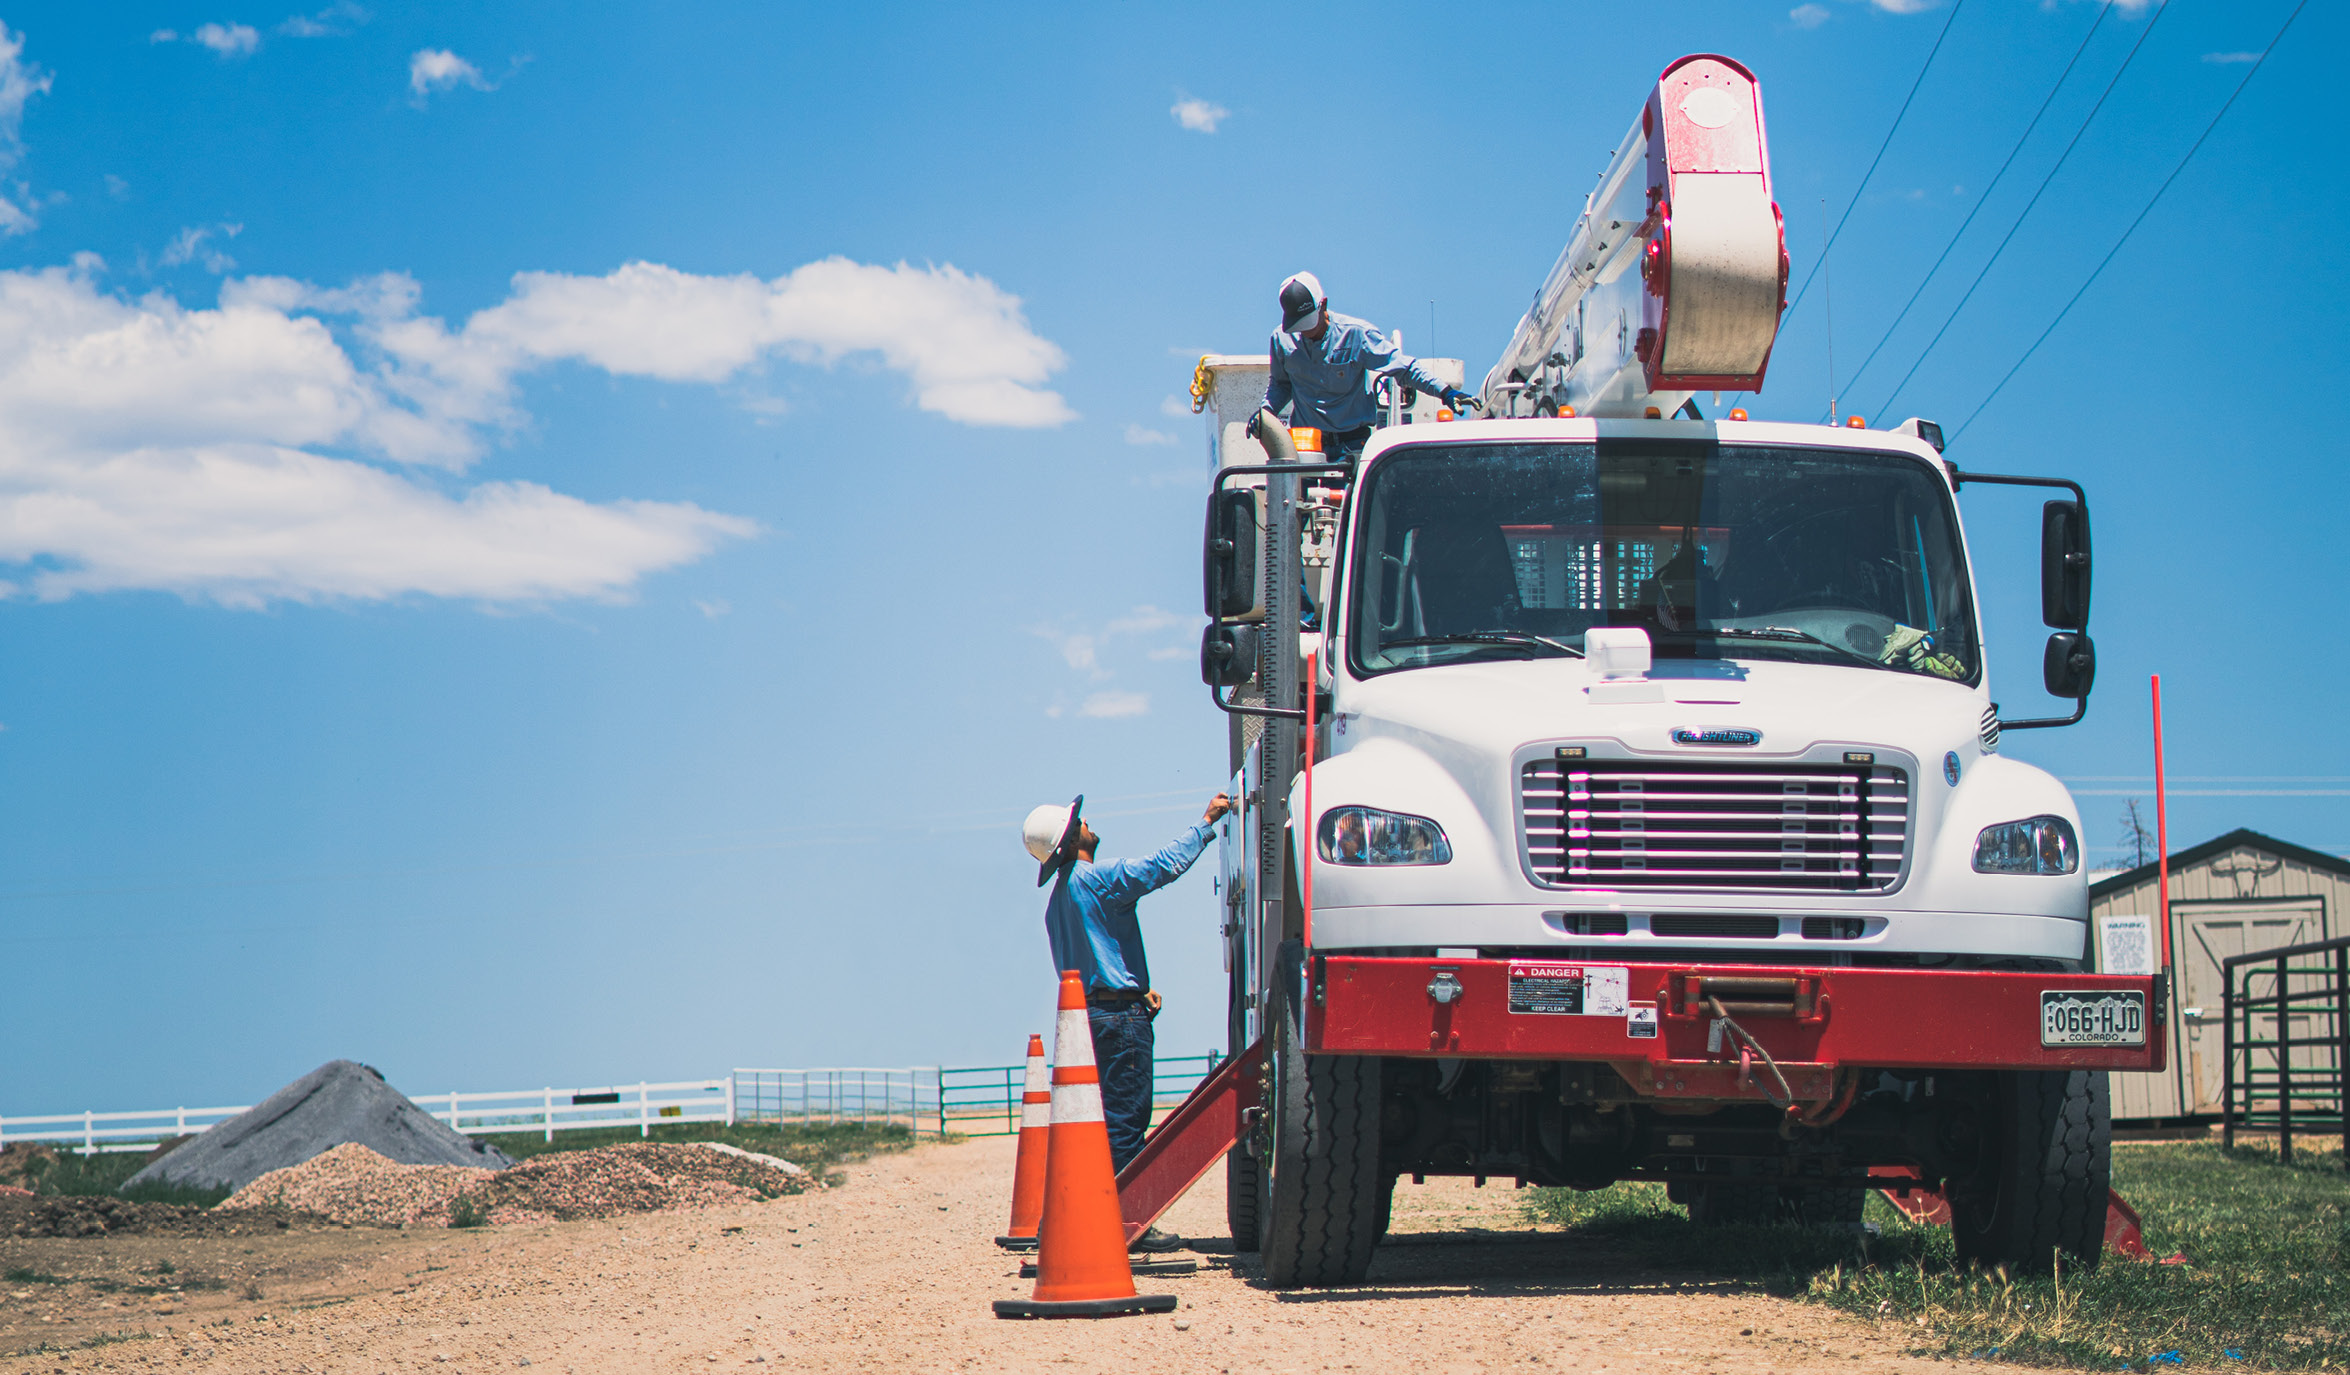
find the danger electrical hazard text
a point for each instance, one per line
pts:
(1569, 990)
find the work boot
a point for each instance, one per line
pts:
(1153, 1241)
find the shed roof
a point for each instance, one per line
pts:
(2240, 838)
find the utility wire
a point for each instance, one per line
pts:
(1890, 131)
(2141, 219)
(1880, 157)
(1982, 200)
(2086, 121)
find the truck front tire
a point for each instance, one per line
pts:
(1321, 1212)
(2047, 1162)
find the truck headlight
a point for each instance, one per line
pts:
(1367, 835)
(2040, 845)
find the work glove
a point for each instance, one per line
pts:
(1460, 401)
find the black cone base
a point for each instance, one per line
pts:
(1027, 1243)
(1139, 1267)
(1085, 1308)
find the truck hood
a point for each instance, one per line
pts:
(1492, 708)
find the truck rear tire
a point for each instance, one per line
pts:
(1243, 1192)
(1321, 1216)
(2047, 1162)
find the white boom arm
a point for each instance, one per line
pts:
(1688, 198)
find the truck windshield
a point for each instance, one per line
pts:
(1718, 551)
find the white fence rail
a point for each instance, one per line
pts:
(976, 1100)
(641, 1105)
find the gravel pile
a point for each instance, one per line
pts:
(341, 1101)
(353, 1184)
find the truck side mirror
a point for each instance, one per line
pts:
(2064, 570)
(1228, 557)
(1227, 655)
(2069, 667)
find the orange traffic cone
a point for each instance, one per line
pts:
(1036, 1118)
(1081, 1267)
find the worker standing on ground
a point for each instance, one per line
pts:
(1325, 366)
(1091, 923)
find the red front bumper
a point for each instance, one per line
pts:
(1656, 1021)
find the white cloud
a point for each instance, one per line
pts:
(1142, 620)
(713, 607)
(228, 40)
(194, 244)
(1911, 6)
(2230, 59)
(20, 81)
(1111, 705)
(1808, 16)
(1175, 407)
(327, 23)
(438, 69)
(1199, 116)
(1077, 651)
(1145, 436)
(238, 453)
(164, 36)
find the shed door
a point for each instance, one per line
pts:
(2215, 931)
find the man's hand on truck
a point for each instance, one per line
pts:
(1218, 806)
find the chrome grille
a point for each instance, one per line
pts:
(1714, 824)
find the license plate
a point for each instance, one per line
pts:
(2092, 1017)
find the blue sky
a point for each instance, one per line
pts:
(547, 545)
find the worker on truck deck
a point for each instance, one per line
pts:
(1325, 366)
(1091, 923)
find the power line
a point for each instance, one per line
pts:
(1880, 157)
(1983, 199)
(2141, 219)
(2086, 120)
(1891, 130)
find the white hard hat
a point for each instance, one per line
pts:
(1050, 833)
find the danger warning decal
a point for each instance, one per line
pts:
(1571, 990)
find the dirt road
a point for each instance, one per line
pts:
(892, 1271)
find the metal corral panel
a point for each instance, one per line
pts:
(2239, 893)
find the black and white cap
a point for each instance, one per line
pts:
(1301, 302)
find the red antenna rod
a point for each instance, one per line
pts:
(2162, 826)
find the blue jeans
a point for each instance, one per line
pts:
(1122, 1053)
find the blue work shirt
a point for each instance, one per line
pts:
(1090, 916)
(1327, 382)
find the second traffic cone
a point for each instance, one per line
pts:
(1036, 1118)
(1081, 1266)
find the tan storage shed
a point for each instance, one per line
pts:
(2242, 892)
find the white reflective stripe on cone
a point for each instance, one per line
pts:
(1073, 1039)
(1036, 1115)
(1077, 1103)
(1040, 1078)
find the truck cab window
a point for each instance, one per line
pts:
(1718, 551)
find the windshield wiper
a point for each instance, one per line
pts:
(1500, 639)
(1785, 634)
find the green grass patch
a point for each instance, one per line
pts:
(817, 1148)
(83, 1176)
(2265, 1284)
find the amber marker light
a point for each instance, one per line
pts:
(1854, 422)
(1655, 414)
(1443, 413)
(1737, 412)
(1566, 412)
